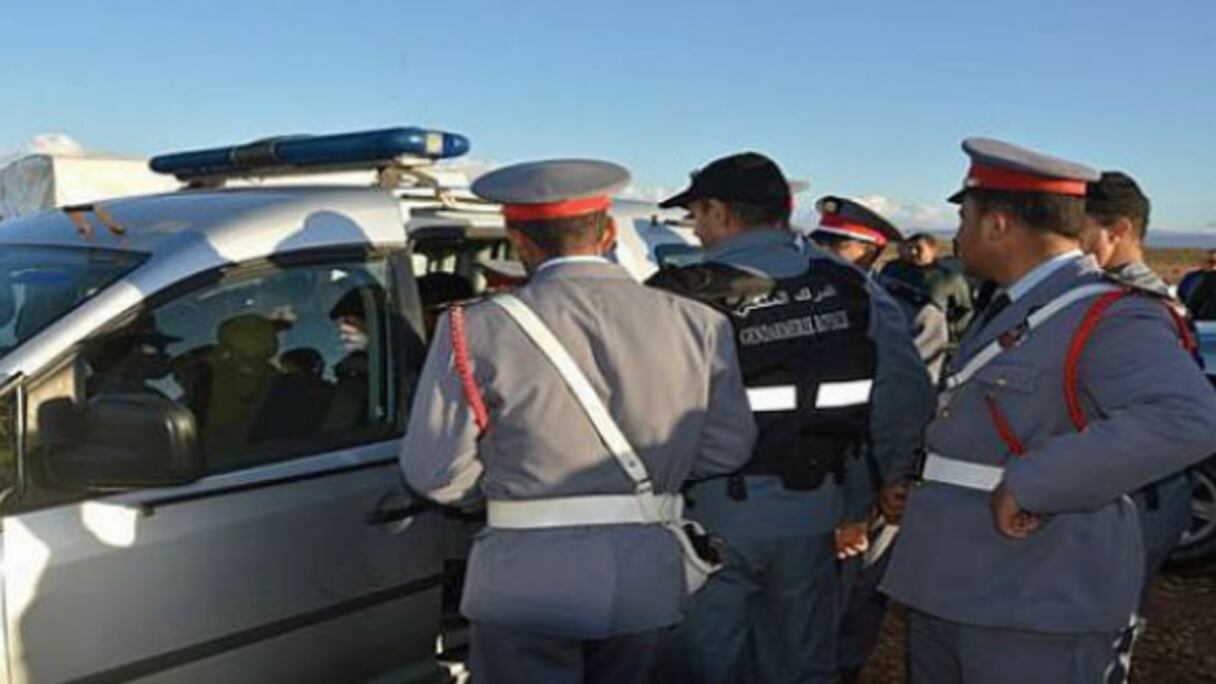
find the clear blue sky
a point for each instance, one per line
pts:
(863, 97)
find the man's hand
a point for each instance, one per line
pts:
(851, 539)
(1009, 518)
(892, 500)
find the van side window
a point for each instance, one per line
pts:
(272, 363)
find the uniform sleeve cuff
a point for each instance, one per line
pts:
(1020, 482)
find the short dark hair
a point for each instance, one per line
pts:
(759, 214)
(561, 235)
(1117, 195)
(922, 237)
(1040, 211)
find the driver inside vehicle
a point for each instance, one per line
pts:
(241, 372)
(130, 360)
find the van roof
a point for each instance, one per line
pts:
(241, 223)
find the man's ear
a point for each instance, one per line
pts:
(517, 240)
(525, 249)
(995, 226)
(608, 236)
(718, 211)
(1122, 230)
(872, 252)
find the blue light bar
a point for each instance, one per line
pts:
(345, 149)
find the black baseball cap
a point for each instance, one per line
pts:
(746, 178)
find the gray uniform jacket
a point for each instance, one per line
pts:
(901, 405)
(1164, 507)
(946, 285)
(926, 321)
(1151, 413)
(667, 370)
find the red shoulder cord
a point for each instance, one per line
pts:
(1076, 412)
(1189, 343)
(464, 369)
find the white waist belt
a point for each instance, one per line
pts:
(952, 471)
(581, 510)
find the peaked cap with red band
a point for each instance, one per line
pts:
(553, 189)
(997, 165)
(851, 220)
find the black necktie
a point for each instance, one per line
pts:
(996, 306)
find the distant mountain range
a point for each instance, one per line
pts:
(1176, 239)
(1171, 238)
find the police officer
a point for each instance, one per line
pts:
(829, 365)
(859, 235)
(571, 581)
(1116, 221)
(1020, 557)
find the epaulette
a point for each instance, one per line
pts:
(717, 284)
(466, 303)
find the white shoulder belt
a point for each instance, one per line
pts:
(643, 506)
(1034, 320)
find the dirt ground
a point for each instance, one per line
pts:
(1173, 263)
(1178, 648)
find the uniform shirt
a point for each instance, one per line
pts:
(668, 373)
(1040, 273)
(901, 403)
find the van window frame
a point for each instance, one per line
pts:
(405, 351)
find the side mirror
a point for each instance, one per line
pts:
(118, 441)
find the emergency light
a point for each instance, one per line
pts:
(365, 149)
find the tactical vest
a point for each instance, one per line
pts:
(807, 360)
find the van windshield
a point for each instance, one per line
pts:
(39, 284)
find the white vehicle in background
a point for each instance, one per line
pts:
(1197, 548)
(202, 394)
(36, 182)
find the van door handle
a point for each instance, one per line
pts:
(395, 515)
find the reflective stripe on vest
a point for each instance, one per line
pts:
(827, 395)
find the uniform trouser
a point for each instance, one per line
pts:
(945, 652)
(768, 616)
(863, 607)
(505, 655)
